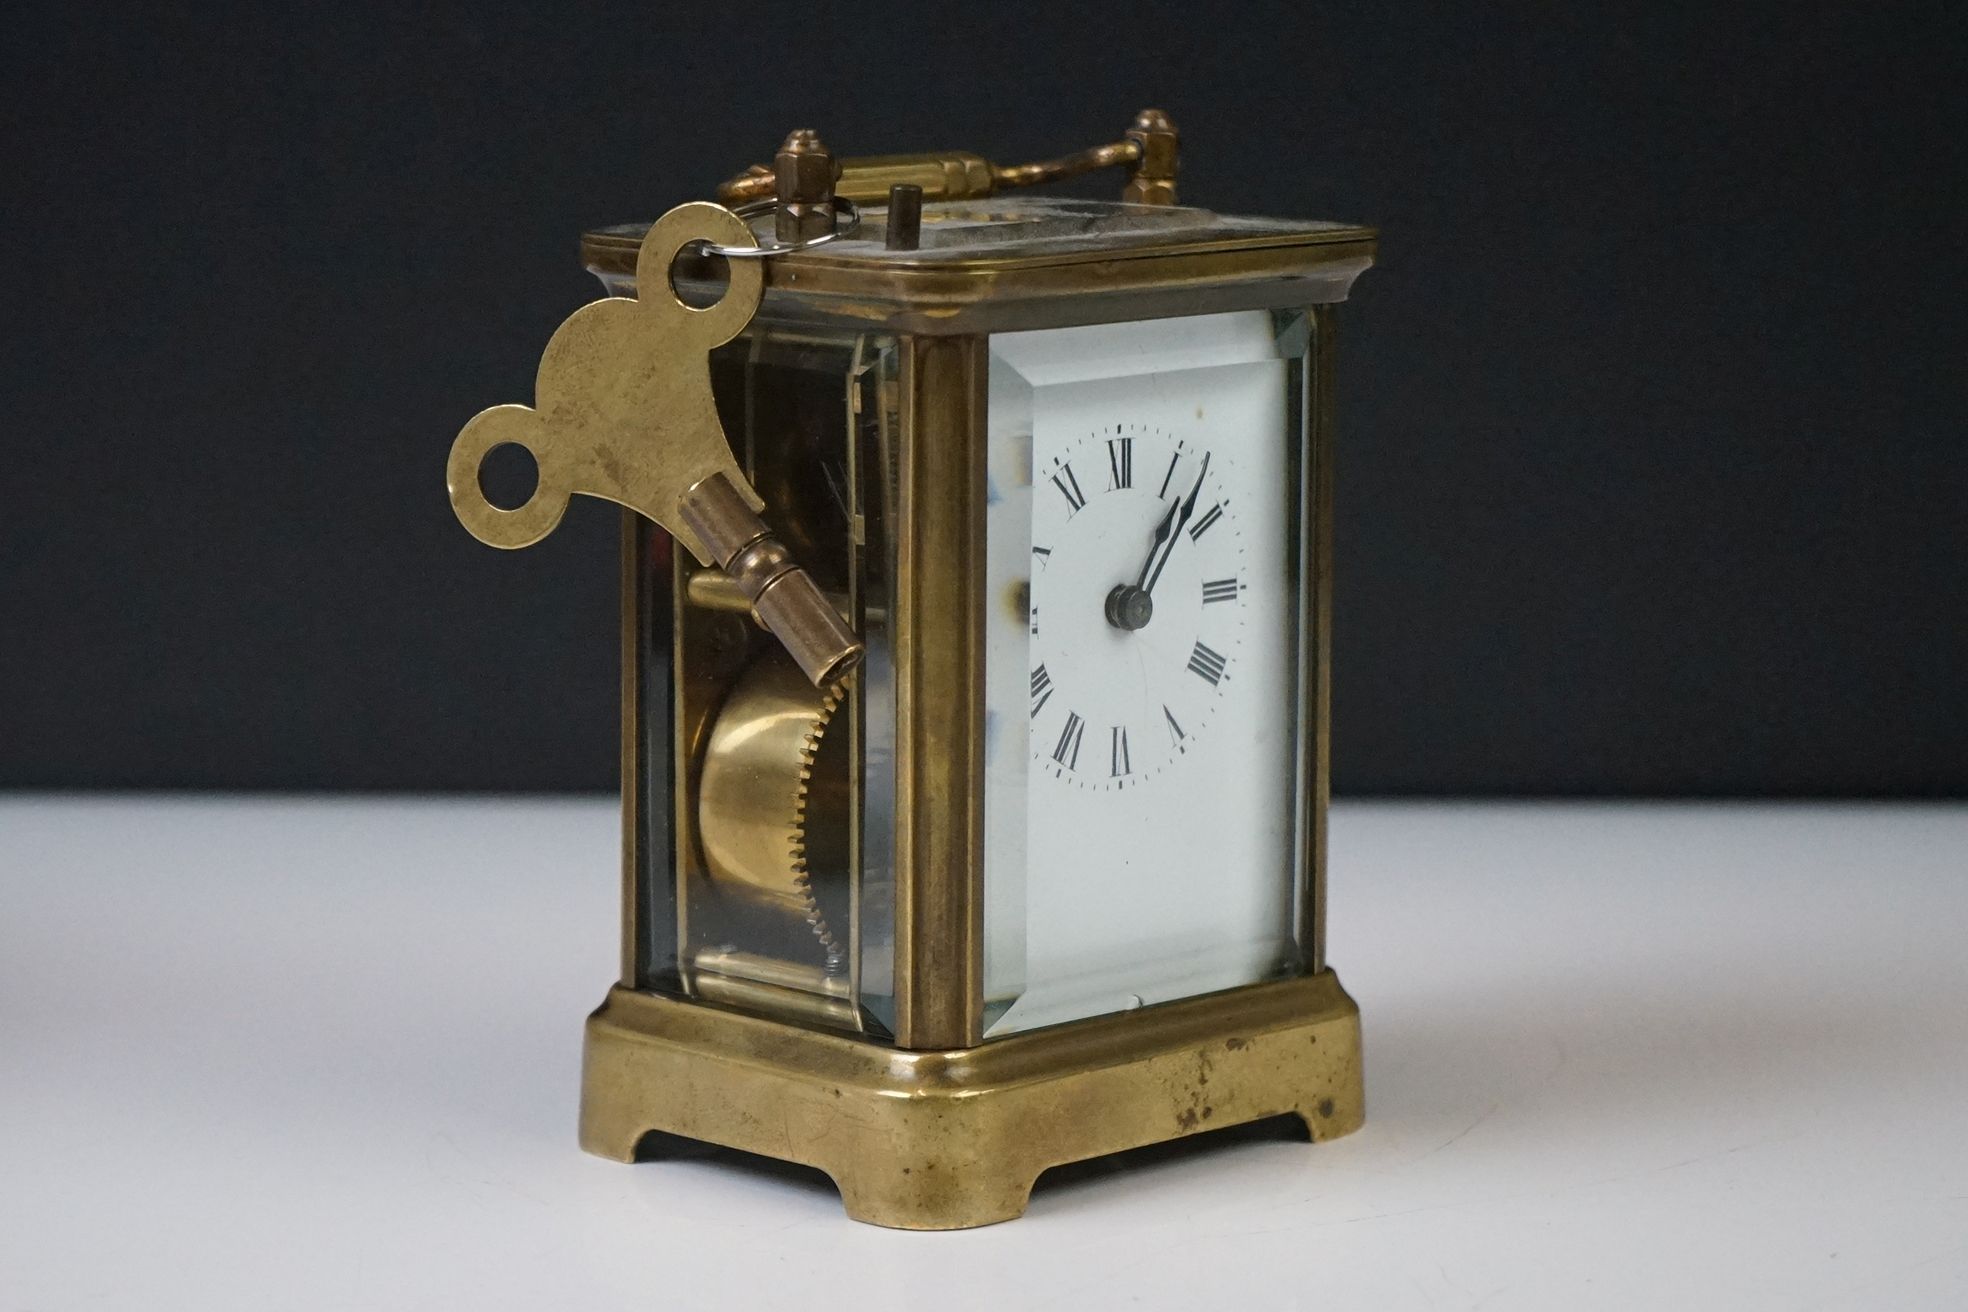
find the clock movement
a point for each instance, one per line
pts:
(976, 584)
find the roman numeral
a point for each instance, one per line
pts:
(1043, 551)
(1219, 590)
(1120, 462)
(1041, 689)
(1068, 751)
(1201, 526)
(1069, 487)
(1171, 474)
(1120, 753)
(1175, 730)
(1207, 663)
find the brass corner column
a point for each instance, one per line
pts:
(939, 658)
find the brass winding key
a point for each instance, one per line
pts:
(623, 411)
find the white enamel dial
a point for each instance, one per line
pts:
(1121, 687)
(1143, 704)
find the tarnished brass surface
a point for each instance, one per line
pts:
(866, 180)
(791, 606)
(715, 590)
(1066, 166)
(624, 412)
(735, 963)
(1027, 263)
(803, 183)
(791, 1002)
(1148, 151)
(767, 986)
(756, 787)
(785, 599)
(939, 702)
(942, 1130)
(624, 407)
(945, 1140)
(1153, 179)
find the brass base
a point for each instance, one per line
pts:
(952, 1139)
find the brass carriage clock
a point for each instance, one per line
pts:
(974, 811)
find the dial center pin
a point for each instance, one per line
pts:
(1129, 607)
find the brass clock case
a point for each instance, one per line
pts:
(921, 1121)
(948, 1139)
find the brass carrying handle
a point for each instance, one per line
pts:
(1148, 151)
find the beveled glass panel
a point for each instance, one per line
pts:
(1145, 714)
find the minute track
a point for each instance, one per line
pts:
(1121, 670)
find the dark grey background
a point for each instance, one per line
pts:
(1651, 472)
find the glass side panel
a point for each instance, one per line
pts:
(655, 816)
(1142, 664)
(778, 861)
(874, 487)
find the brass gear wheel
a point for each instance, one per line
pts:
(772, 802)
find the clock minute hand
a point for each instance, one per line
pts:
(1164, 533)
(1171, 533)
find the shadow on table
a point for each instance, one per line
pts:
(657, 1146)
(1061, 1183)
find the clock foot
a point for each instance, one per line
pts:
(952, 1139)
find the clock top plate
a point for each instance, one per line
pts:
(1015, 262)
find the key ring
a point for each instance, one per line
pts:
(847, 222)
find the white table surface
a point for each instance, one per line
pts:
(324, 1053)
